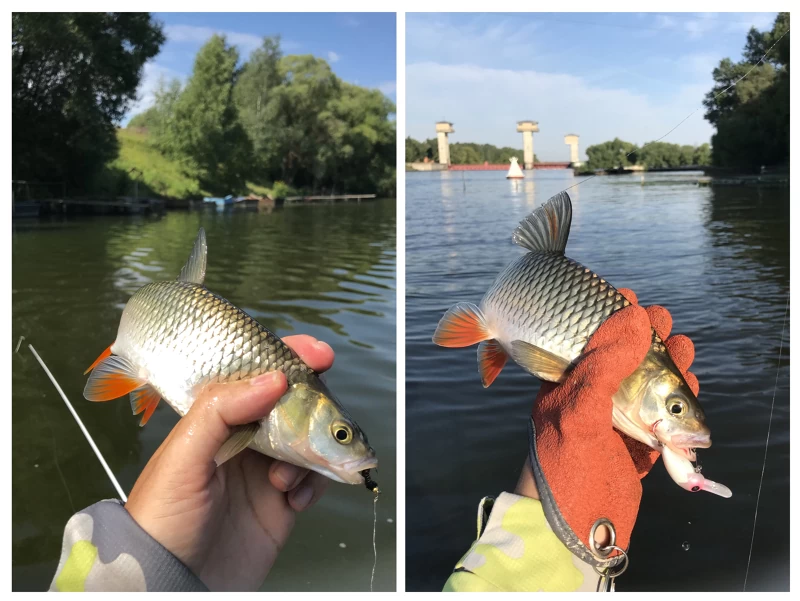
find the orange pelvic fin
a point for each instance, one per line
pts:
(103, 355)
(462, 325)
(491, 360)
(144, 399)
(112, 378)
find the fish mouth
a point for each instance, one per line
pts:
(687, 443)
(691, 441)
(350, 472)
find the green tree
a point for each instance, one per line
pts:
(702, 155)
(415, 151)
(612, 154)
(752, 118)
(205, 133)
(74, 75)
(260, 76)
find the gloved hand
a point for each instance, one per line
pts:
(583, 468)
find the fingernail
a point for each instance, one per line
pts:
(271, 377)
(302, 497)
(323, 346)
(288, 474)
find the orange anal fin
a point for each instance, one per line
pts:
(462, 325)
(491, 360)
(112, 378)
(144, 399)
(106, 353)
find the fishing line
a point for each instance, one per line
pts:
(374, 547)
(692, 113)
(766, 445)
(81, 426)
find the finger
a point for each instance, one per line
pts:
(619, 344)
(219, 407)
(661, 320)
(285, 476)
(630, 295)
(691, 380)
(681, 349)
(316, 354)
(309, 491)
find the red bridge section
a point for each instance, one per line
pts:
(495, 167)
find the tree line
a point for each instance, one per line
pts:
(275, 118)
(654, 155)
(461, 153)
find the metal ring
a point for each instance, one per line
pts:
(608, 573)
(597, 550)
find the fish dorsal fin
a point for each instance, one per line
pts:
(547, 228)
(195, 269)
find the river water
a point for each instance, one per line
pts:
(325, 270)
(717, 258)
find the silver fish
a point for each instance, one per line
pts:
(177, 337)
(542, 310)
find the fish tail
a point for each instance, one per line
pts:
(463, 325)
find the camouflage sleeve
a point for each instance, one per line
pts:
(106, 550)
(517, 551)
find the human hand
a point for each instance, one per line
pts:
(580, 467)
(227, 523)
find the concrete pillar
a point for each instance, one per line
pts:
(572, 141)
(443, 128)
(528, 128)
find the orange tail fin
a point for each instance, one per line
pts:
(103, 355)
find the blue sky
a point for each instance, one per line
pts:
(598, 75)
(361, 47)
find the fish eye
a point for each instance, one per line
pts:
(676, 406)
(342, 433)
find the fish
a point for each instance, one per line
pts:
(541, 311)
(177, 337)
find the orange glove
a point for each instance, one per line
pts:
(584, 469)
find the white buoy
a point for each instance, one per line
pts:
(514, 172)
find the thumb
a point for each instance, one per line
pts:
(219, 408)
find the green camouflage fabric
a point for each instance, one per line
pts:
(516, 550)
(104, 549)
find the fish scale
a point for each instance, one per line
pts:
(216, 341)
(550, 301)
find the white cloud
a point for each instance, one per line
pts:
(485, 103)
(246, 42)
(152, 75)
(333, 57)
(484, 38)
(700, 24)
(388, 87)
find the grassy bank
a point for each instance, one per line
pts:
(158, 175)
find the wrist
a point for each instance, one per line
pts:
(526, 486)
